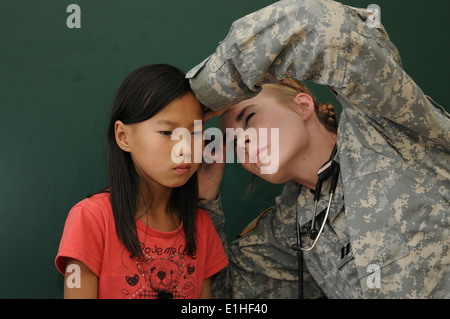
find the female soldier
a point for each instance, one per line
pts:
(385, 227)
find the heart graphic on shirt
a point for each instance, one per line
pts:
(132, 279)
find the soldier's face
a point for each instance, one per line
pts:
(286, 134)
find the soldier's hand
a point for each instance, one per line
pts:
(210, 175)
(209, 179)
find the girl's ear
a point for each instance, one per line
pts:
(122, 135)
(305, 105)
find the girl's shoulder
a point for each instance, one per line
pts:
(202, 216)
(204, 221)
(102, 198)
(98, 205)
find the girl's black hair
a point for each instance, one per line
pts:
(143, 93)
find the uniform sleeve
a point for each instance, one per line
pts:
(298, 39)
(214, 209)
(324, 42)
(376, 83)
(82, 239)
(216, 259)
(220, 282)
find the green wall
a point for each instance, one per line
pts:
(57, 85)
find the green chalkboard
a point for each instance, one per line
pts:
(57, 84)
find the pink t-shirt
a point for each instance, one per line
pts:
(90, 237)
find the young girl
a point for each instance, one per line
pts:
(143, 237)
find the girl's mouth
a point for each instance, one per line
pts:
(182, 169)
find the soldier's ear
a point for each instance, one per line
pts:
(305, 105)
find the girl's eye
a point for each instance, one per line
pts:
(166, 133)
(248, 118)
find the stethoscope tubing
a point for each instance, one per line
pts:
(334, 166)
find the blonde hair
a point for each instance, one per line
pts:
(288, 89)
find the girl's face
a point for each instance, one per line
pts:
(266, 112)
(150, 144)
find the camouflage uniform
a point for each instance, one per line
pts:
(393, 197)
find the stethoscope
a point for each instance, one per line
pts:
(329, 169)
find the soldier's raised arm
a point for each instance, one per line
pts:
(325, 42)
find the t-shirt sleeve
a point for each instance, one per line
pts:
(82, 239)
(216, 259)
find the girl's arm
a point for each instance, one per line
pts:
(81, 283)
(206, 289)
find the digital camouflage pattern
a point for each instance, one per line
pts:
(393, 198)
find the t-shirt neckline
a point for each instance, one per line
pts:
(158, 233)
